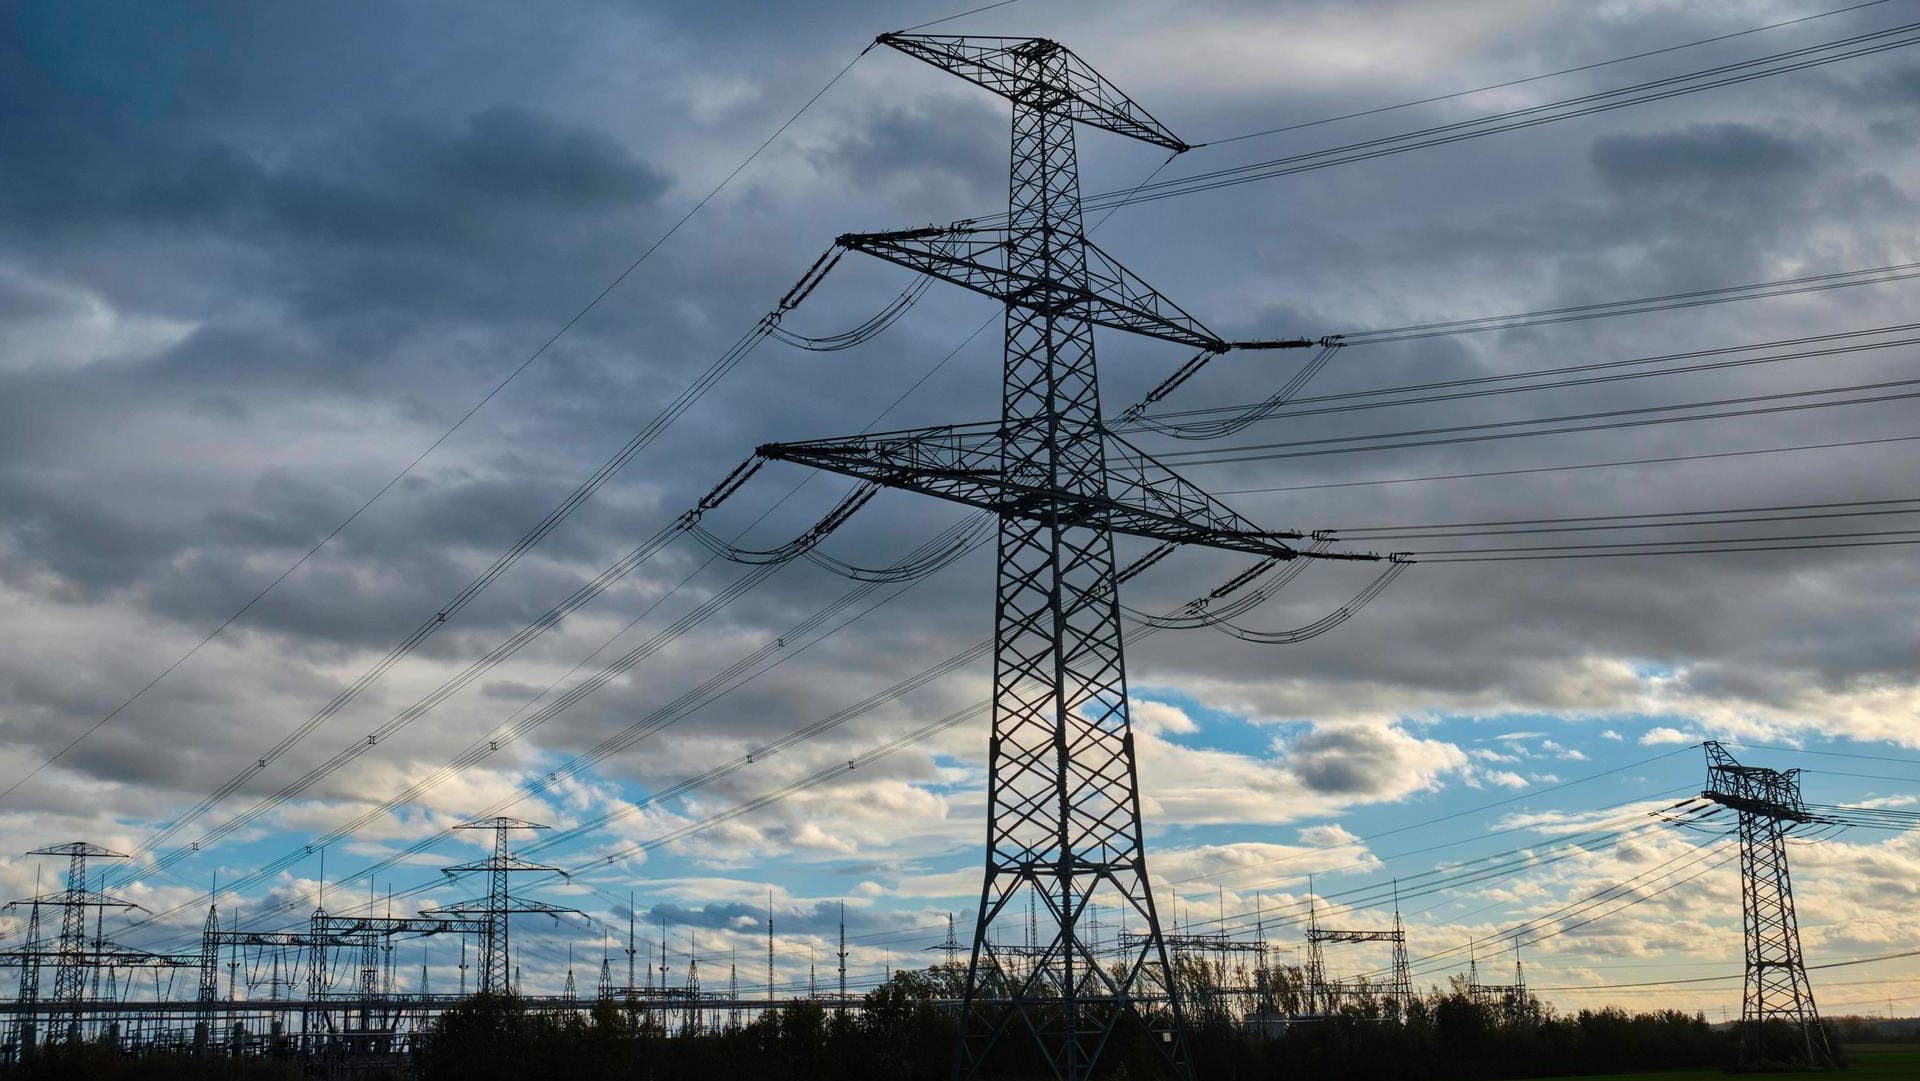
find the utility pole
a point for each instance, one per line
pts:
(769, 947)
(842, 1008)
(1778, 1020)
(1063, 802)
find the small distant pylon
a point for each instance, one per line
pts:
(71, 958)
(1402, 991)
(499, 905)
(1778, 1020)
(25, 1029)
(843, 958)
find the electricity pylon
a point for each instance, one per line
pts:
(1778, 1020)
(499, 905)
(72, 959)
(1063, 813)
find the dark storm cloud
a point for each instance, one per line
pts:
(1706, 155)
(966, 166)
(401, 185)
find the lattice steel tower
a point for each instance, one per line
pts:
(1778, 1021)
(499, 905)
(73, 960)
(1064, 816)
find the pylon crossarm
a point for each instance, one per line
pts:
(1325, 935)
(517, 906)
(82, 898)
(1005, 66)
(963, 464)
(975, 257)
(501, 863)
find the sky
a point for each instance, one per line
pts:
(256, 262)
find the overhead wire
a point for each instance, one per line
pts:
(1569, 423)
(1547, 75)
(686, 786)
(491, 393)
(1787, 61)
(1523, 471)
(1179, 424)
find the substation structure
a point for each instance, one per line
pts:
(336, 993)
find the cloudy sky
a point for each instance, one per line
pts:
(255, 260)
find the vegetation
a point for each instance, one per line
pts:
(902, 1033)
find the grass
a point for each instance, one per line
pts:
(1876, 1062)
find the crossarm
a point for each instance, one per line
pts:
(963, 464)
(974, 257)
(1005, 66)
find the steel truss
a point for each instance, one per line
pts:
(1778, 1020)
(1063, 825)
(498, 907)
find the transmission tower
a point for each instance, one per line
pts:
(1778, 1021)
(72, 959)
(25, 1032)
(499, 905)
(1063, 813)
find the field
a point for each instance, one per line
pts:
(1884, 1062)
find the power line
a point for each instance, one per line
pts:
(1284, 406)
(1792, 60)
(1537, 78)
(444, 436)
(1488, 431)
(1576, 466)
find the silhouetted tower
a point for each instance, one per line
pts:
(499, 905)
(1778, 1021)
(1063, 803)
(1402, 990)
(1319, 997)
(733, 989)
(209, 975)
(843, 957)
(71, 958)
(26, 1031)
(769, 945)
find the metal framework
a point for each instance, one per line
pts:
(499, 905)
(1063, 826)
(1510, 998)
(77, 962)
(1778, 1020)
(1323, 995)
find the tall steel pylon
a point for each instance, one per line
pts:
(499, 905)
(1778, 1020)
(1063, 822)
(72, 958)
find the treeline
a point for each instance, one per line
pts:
(903, 1032)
